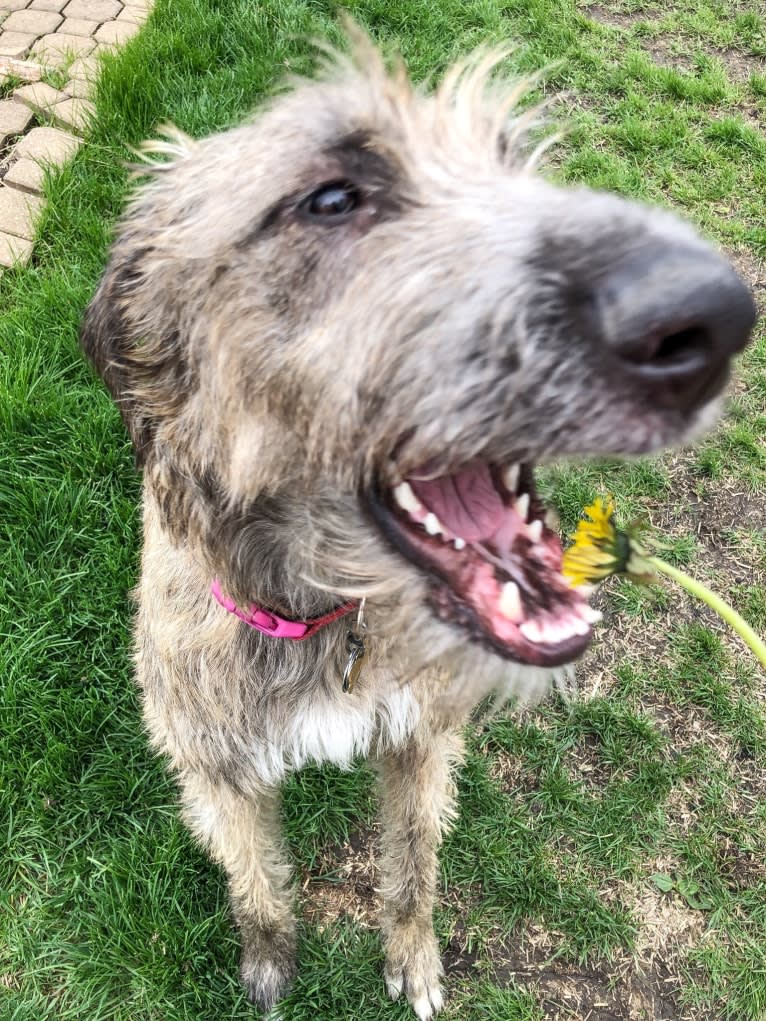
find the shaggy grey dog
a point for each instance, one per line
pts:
(341, 336)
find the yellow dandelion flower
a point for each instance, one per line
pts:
(599, 549)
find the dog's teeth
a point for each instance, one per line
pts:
(552, 520)
(535, 530)
(406, 498)
(511, 477)
(585, 590)
(432, 524)
(578, 625)
(552, 633)
(522, 506)
(510, 601)
(530, 629)
(459, 543)
(589, 615)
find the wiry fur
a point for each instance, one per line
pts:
(270, 371)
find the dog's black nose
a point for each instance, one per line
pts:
(673, 317)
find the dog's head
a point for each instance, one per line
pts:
(342, 335)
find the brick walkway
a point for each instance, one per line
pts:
(52, 48)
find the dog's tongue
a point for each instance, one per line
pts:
(467, 504)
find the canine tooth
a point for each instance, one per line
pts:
(535, 530)
(406, 498)
(459, 543)
(578, 625)
(511, 477)
(522, 506)
(591, 616)
(510, 601)
(530, 629)
(552, 520)
(432, 524)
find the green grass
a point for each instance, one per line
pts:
(109, 909)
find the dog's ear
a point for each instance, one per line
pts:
(134, 344)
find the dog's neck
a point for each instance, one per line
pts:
(251, 551)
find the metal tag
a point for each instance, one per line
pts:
(356, 651)
(356, 654)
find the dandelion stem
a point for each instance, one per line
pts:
(715, 602)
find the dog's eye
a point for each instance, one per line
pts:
(331, 203)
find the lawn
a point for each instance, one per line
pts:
(608, 862)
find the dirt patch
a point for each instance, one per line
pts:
(584, 763)
(666, 52)
(666, 923)
(508, 771)
(615, 19)
(751, 790)
(686, 727)
(739, 66)
(342, 883)
(753, 270)
(620, 991)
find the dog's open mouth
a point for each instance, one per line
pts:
(494, 563)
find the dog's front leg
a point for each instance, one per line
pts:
(417, 806)
(244, 835)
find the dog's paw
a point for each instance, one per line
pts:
(418, 974)
(267, 971)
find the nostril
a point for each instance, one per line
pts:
(668, 350)
(683, 348)
(678, 346)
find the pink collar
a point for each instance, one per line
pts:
(269, 623)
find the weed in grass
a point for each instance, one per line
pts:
(8, 85)
(642, 601)
(57, 77)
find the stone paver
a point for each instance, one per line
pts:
(14, 119)
(26, 70)
(47, 5)
(93, 10)
(73, 114)
(78, 88)
(18, 213)
(15, 44)
(135, 15)
(39, 97)
(35, 23)
(25, 175)
(37, 36)
(14, 251)
(48, 145)
(84, 69)
(76, 26)
(115, 33)
(55, 50)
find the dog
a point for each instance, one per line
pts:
(341, 336)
